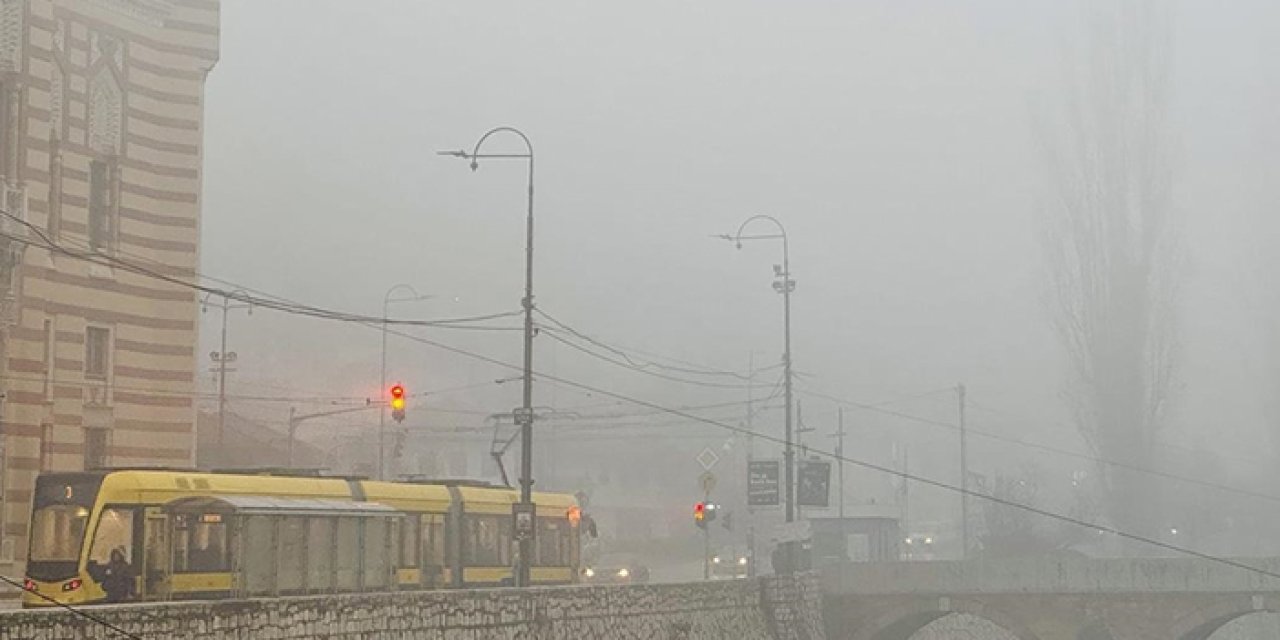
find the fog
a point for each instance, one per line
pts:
(896, 141)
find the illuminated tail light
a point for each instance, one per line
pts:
(28, 585)
(72, 585)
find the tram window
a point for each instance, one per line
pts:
(504, 541)
(115, 531)
(201, 542)
(320, 554)
(551, 542)
(259, 562)
(347, 554)
(376, 552)
(292, 557)
(480, 541)
(409, 543)
(433, 549)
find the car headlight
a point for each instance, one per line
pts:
(589, 572)
(716, 559)
(742, 561)
(623, 572)
(928, 540)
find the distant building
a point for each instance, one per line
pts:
(101, 127)
(252, 444)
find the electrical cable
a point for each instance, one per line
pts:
(618, 351)
(1052, 449)
(73, 609)
(896, 473)
(554, 334)
(382, 322)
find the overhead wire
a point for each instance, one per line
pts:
(73, 609)
(307, 310)
(1218, 486)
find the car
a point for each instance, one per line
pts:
(615, 570)
(730, 564)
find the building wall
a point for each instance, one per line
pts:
(779, 609)
(121, 83)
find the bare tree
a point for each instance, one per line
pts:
(1111, 243)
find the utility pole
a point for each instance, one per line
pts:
(382, 413)
(783, 285)
(964, 477)
(222, 358)
(523, 512)
(751, 451)
(840, 459)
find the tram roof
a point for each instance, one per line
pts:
(271, 505)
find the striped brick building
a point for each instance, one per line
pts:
(101, 126)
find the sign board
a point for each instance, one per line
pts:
(707, 482)
(815, 483)
(763, 488)
(523, 515)
(707, 459)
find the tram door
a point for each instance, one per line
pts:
(155, 568)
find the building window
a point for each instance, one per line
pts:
(95, 449)
(53, 224)
(46, 447)
(97, 352)
(101, 231)
(49, 351)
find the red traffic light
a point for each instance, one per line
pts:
(397, 397)
(699, 511)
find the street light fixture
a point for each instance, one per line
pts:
(783, 285)
(222, 358)
(524, 511)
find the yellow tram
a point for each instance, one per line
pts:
(188, 534)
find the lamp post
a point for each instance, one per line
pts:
(382, 412)
(523, 512)
(783, 285)
(222, 358)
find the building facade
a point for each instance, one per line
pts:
(101, 127)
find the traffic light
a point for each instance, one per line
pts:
(397, 403)
(700, 515)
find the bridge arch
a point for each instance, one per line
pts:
(904, 621)
(1202, 623)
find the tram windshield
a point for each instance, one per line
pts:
(63, 504)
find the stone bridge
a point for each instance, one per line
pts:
(1077, 599)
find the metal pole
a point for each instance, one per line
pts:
(706, 549)
(751, 450)
(293, 428)
(964, 478)
(526, 429)
(382, 410)
(840, 460)
(524, 415)
(222, 384)
(786, 359)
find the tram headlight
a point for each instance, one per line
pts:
(589, 572)
(716, 559)
(624, 572)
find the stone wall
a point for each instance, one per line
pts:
(735, 610)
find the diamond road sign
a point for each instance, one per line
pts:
(708, 459)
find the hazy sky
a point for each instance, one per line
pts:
(893, 139)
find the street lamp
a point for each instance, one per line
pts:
(382, 412)
(523, 512)
(784, 285)
(222, 358)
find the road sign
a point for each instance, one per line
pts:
(815, 483)
(762, 483)
(707, 482)
(708, 459)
